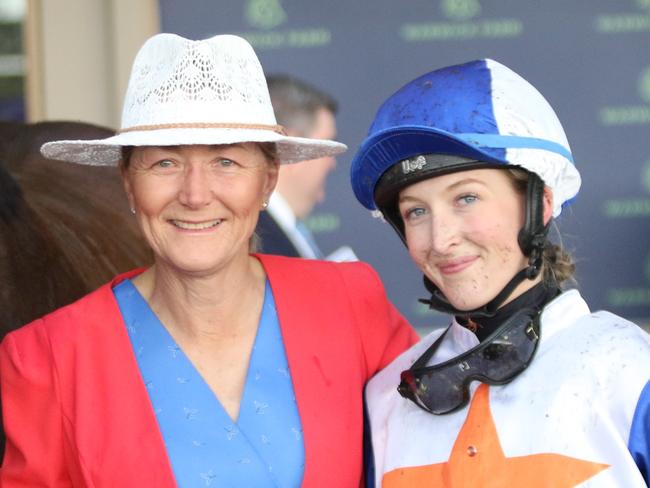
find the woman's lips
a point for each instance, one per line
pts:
(456, 265)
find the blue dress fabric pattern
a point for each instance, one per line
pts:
(263, 448)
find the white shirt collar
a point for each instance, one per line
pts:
(281, 212)
(563, 311)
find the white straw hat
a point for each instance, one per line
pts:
(211, 91)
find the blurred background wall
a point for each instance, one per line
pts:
(70, 59)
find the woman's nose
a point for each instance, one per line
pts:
(444, 234)
(195, 188)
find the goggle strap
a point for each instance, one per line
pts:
(431, 350)
(440, 303)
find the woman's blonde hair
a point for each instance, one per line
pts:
(558, 265)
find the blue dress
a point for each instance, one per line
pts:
(263, 448)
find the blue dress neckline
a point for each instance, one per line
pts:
(263, 447)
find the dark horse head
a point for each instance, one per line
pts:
(65, 228)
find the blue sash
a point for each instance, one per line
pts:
(264, 448)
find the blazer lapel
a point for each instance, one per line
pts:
(294, 303)
(111, 403)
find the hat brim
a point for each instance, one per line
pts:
(385, 148)
(107, 152)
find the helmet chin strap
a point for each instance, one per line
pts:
(531, 239)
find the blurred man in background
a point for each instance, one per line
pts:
(304, 111)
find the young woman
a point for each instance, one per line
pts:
(527, 386)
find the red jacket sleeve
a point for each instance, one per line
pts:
(31, 413)
(385, 334)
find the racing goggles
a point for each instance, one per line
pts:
(444, 387)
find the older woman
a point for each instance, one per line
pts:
(213, 365)
(526, 387)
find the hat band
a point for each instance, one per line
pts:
(204, 125)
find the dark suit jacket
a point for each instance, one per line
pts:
(273, 240)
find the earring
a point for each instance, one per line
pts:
(265, 205)
(133, 210)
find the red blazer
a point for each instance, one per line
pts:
(76, 412)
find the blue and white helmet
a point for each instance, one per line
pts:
(477, 111)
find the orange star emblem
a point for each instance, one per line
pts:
(477, 459)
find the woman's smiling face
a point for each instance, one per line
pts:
(198, 205)
(461, 230)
